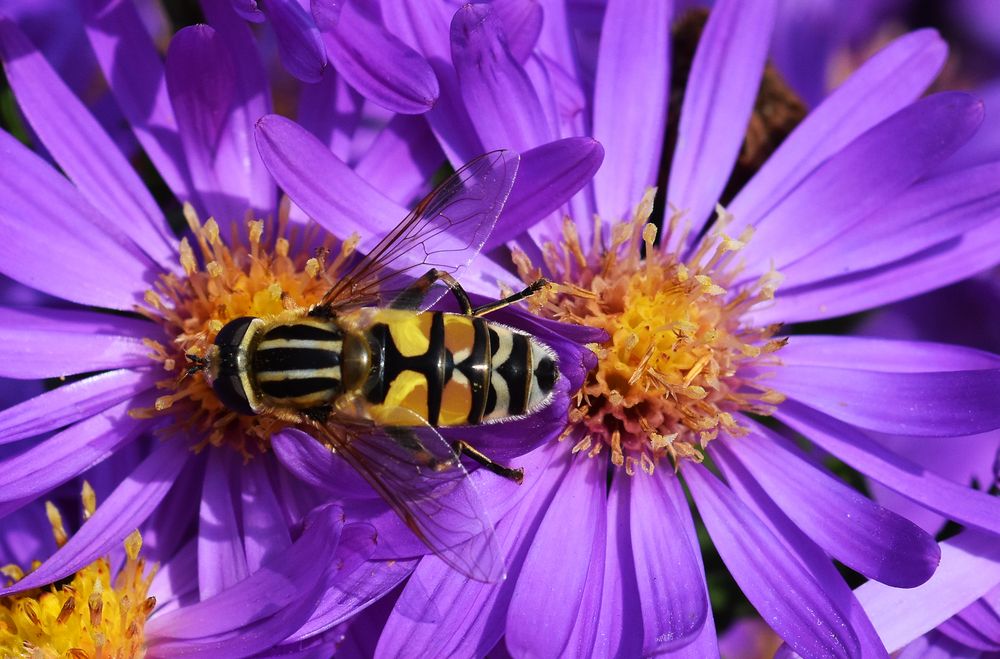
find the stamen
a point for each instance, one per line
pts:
(675, 369)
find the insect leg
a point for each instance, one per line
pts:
(414, 294)
(463, 448)
(530, 290)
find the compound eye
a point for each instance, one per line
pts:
(231, 335)
(230, 381)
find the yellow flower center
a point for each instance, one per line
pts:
(680, 362)
(260, 275)
(90, 615)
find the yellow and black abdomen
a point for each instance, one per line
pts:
(453, 369)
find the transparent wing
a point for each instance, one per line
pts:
(414, 469)
(445, 231)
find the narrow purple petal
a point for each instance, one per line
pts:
(299, 43)
(357, 582)
(782, 591)
(176, 582)
(332, 111)
(938, 266)
(548, 176)
(425, 27)
(942, 404)
(374, 60)
(583, 636)
(885, 84)
(498, 93)
(671, 585)
(441, 613)
(863, 177)
(47, 343)
(117, 516)
(265, 533)
(866, 537)
(798, 547)
(132, 66)
(620, 623)
(721, 91)
(261, 610)
(522, 23)
(558, 562)
(884, 354)
(409, 145)
(977, 627)
(313, 463)
(222, 561)
(57, 243)
(68, 454)
(321, 184)
(963, 504)
(72, 402)
(931, 212)
(81, 147)
(630, 101)
(970, 568)
(237, 161)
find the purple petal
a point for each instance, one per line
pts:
(322, 185)
(782, 591)
(133, 68)
(248, 10)
(986, 147)
(68, 454)
(583, 637)
(299, 43)
(863, 177)
(45, 220)
(885, 84)
(548, 176)
(884, 354)
(942, 404)
(356, 584)
(222, 562)
(425, 27)
(81, 147)
(501, 100)
(176, 582)
(117, 516)
(963, 504)
(261, 610)
(671, 582)
(797, 547)
(970, 567)
(929, 213)
(522, 23)
(558, 563)
(215, 112)
(332, 111)
(236, 158)
(857, 532)
(265, 532)
(980, 633)
(370, 57)
(70, 403)
(314, 464)
(402, 160)
(630, 101)
(938, 266)
(721, 91)
(441, 613)
(55, 343)
(620, 623)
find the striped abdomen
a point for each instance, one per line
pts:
(298, 364)
(457, 370)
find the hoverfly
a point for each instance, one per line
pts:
(370, 371)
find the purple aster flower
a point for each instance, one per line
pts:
(848, 214)
(174, 460)
(122, 605)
